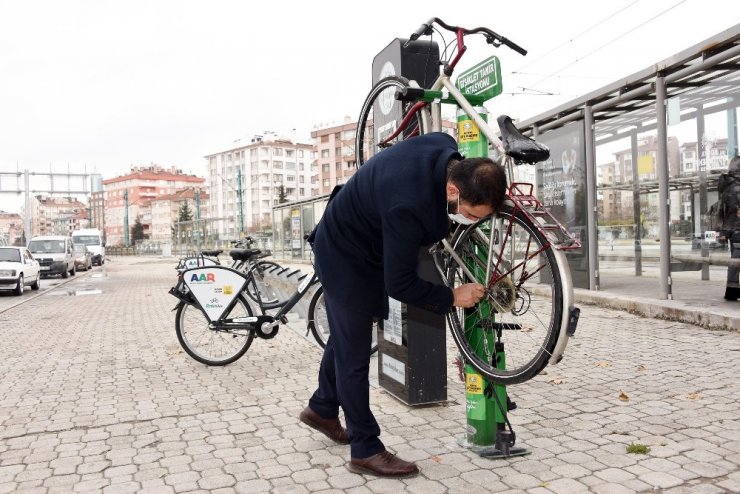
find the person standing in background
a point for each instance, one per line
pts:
(728, 187)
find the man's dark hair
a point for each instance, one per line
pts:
(479, 180)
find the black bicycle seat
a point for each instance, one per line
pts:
(212, 253)
(518, 146)
(243, 254)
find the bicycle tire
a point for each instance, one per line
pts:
(268, 293)
(514, 301)
(365, 142)
(196, 338)
(319, 324)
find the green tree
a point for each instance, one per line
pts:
(137, 231)
(184, 214)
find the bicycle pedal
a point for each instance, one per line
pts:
(284, 320)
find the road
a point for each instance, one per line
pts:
(97, 396)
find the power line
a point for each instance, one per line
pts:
(608, 43)
(602, 21)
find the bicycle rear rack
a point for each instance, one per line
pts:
(521, 194)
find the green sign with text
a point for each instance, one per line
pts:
(482, 80)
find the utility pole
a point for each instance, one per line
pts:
(125, 219)
(239, 194)
(197, 217)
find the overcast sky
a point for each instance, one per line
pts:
(107, 84)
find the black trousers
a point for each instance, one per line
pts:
(732, 291)
(344, 381)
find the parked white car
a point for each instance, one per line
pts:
(18, 269)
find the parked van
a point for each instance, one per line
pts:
(93, 239)
(54, 254)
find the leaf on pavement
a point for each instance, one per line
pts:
(693, 396)
(642, 368)
(602, 363)
(623, 396)
(437, 459)
(557, 380)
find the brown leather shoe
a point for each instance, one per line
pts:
(331, 428)
(384, 464)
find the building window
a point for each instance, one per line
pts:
(277, 151)
(277, 164)
(338, 167)
(325, 168)
(324, 153)
(291, 178)
(324, 139)
(300, 153)
(327, 182)
(289, 153)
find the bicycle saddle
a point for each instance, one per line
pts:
(518, 146)
(243, 254)
(213, 253)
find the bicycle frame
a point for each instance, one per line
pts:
(519, 196)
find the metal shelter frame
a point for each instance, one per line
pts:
(705, 76)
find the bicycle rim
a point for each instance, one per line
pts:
(318, 322)
(381, 100)
(209, 346)
(523, 304)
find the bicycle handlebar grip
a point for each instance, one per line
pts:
(409, 94)
(423, 29)
(513, 46)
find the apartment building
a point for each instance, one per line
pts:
(335, 154)
(245, 182)
(128, 196)
(56, 215)
(165, 212)
(11, 228)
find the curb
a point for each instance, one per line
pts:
(660, 309)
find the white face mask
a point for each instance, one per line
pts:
(458, 217)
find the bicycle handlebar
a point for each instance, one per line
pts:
(491, 37)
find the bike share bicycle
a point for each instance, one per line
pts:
(518, 255)
(215, 320)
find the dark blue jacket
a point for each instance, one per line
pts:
(367, 242)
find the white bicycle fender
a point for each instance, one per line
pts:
(567, 284)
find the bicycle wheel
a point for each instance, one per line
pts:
(521, 312)
(381, 99)
(319, 324)
(213, 346)
(268, 294)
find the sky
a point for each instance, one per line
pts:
(101, 85)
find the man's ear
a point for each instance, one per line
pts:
(452, 190)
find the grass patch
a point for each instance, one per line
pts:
(638, 449)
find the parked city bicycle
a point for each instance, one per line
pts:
(518, 254)
(216, 321)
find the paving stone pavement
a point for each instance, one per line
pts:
(97, 396)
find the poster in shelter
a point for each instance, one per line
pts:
(561, 187)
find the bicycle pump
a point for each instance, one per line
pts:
(486, 403)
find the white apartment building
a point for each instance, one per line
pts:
(266, 166)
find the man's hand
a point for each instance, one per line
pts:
(467, 295)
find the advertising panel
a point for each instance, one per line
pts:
(561, 187)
